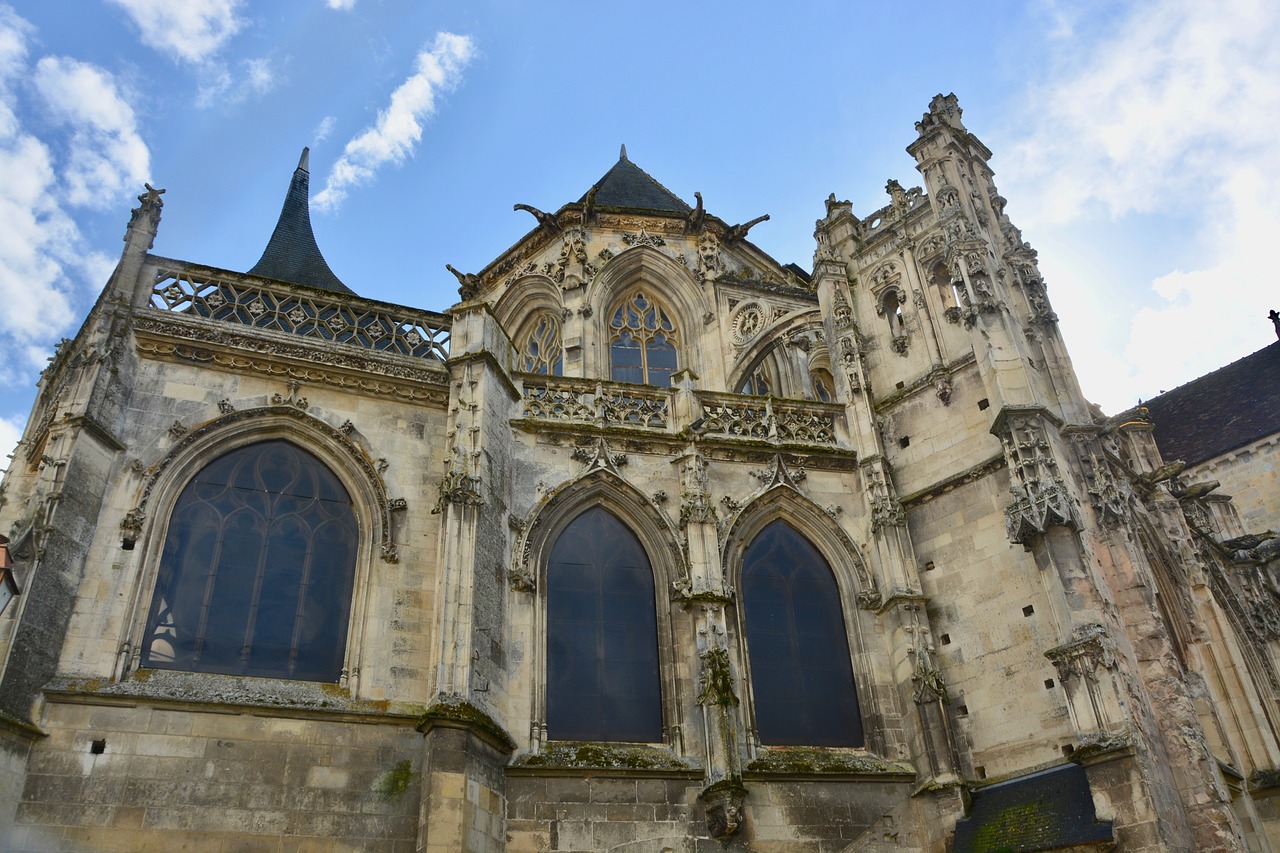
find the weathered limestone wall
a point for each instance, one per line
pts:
(1251, 476)
(151, 777)
(635, 812)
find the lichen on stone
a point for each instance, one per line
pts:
(806, 759)
(603, 756)
(459, 710)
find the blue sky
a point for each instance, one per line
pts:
(1134, 141)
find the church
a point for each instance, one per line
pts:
(648, 543)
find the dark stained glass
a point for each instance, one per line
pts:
(642, 347)
(257, 570)
(602, 635)
(801, 677)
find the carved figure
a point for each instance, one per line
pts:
(468, 282)
(698, 217)
(739, 232)
(545, 220)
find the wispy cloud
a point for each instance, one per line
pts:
(106, 154)
(324, 128)
(399, 126)
(190, 30)
(343, 5)
(44, 259)
(219, 87)
(1174, 112)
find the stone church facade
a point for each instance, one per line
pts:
(649, 543)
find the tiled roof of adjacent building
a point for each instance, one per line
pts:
(627, 185)
(1049, 810)
(1221, 411)
(292, 254)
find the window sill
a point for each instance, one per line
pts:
(810, 761)
(590, 755)
(207, 692)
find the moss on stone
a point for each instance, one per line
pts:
(602, 756)
(462, 711)
(807, 759)
(395, 781)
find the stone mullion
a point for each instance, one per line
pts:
(932, 338)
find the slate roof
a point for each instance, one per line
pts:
(292, 254)
(1221, 411)
(627, 185)
(1049, 810)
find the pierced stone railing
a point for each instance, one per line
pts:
(615, 404)
(765, 418)
(596, 403)
(303, 312)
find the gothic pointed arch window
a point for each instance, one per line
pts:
(540, 350)
(797, 646)
(642, 341)
(257, 570)
(602, 637)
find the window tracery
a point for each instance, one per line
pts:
(602, 638)
(642, 342)
(540, 351)
(801, 673)
(257, 570)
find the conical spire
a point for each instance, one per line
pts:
(292, 254)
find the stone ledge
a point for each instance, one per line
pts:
(459, 713)
(210, 693)
(585, 755)
(811, 761)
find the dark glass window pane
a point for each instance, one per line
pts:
(602, 635)
(800, 671)
(257, 570)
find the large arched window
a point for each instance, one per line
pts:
(642, 342)
(257, 570)
(801, 675)
(540, 351)
(602, 635)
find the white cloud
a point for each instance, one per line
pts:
(44, 259)
(10, 432)
(1171, 113)
(324, 128)
(218, 87)
(343, 5)
(106, 155)
(399, 127)
(189, 30)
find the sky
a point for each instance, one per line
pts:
(1135, 142)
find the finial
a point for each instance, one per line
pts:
(304, 162)
(622, 155)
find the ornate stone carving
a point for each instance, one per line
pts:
(748, 321)
(1089, 650)
(943, 389)
(578, 401)
(1040, 497)
(225, 406)
(598, 456)
(710, 264)
(336, 437)
(350, 321)
(695, 501)
(177, 429)
(644, 238)
(460, 488)
(294, 399)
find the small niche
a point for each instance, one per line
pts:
(98, 747)
(980, 771)
(900, 385)
(946, 639)
(984, 404)
(962, 710)
(928, 567)
(1028, 610)
(1048, 684)
(905, 441)
(1067, 749)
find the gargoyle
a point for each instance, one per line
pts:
(546, 220)
(468, 282)
(698, 217)
(739, 232)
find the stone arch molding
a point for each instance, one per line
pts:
(527, 296)
(334, 446)
(600, 485)
(781, 499)
(775, 335)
